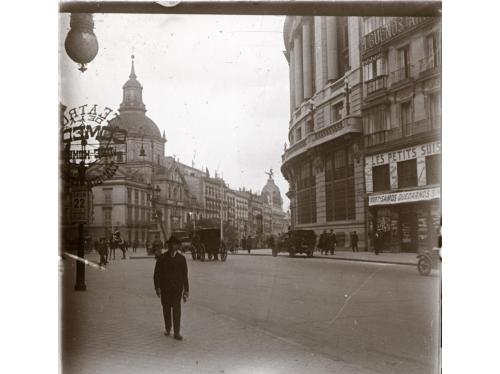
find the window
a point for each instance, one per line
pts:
(306, 194)
(433, 169)
(129, 195)
(381, 178)
(434, 110)
(107, 195)
(336, 111)
(290, 138)
(407, 173)
(343, 44)
(405, 116)
(403, 71)
(136, 214)
(375, 66)
(298, 131)
(136, 197)
(107, 216)
(339, 185)
(375, 123)
(129, 214)
(309, 126)
(431, 51)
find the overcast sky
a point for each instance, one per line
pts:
(217, 85)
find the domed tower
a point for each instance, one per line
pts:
(145, 143)
(272, 191)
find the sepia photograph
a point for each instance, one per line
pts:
(250, 187)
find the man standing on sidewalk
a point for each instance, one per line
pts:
(354, 241)
(332, 242)
(171, 284)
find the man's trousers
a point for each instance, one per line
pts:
(171, 303)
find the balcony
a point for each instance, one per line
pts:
(376, 84)
(406, 130)
(401, 75)
(430, 63)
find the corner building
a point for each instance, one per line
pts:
(401, 111)
(323, 163)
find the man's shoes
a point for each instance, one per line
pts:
(178, 337)
(167, 333)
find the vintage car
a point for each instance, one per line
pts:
(296, 241)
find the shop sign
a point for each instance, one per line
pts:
(404, 154)
(395, 27)
(405, 197)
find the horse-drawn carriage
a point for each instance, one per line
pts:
(185, 237)
(207, 243)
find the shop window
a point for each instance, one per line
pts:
(381, 178)
(336, 111)
(433, 169)
(407, 173)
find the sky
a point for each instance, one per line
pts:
(217, 85)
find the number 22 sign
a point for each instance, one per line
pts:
(80, 206)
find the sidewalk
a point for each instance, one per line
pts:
(384, 258)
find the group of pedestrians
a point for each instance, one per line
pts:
(327, 242)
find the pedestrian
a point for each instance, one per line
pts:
(171, 284)
(354, 241)
(323, 242)
(100, 249)
(249, 243)
(157, 246)
(332, 242)
(376, 241)
(134, 245)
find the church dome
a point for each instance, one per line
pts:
(272, 191)
(132, 117)
(136, 123)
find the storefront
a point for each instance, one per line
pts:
(409, 220)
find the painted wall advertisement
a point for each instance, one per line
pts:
(405, 196)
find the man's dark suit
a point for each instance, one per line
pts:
(171, 276)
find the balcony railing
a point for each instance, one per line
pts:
(430, 62)
(421, 126)
(376, 138)
(375, 84)
(401, 74)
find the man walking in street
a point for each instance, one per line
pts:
(134, 245)
(332, 242)
(354, 241)
(171, 284)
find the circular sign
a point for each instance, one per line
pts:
(90, 148)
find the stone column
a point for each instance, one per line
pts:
(291, 63)
(307, 58)
(331, 48)
(297, 57)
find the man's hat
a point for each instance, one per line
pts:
(173, 240)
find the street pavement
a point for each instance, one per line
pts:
(254, 314)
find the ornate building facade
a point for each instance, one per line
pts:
(322, 163)
(401, 59)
